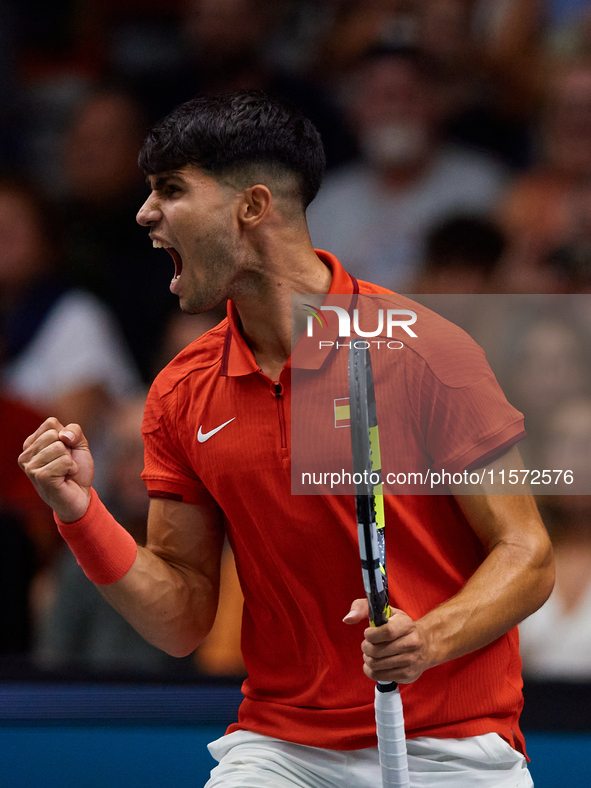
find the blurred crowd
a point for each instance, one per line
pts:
(458, 140)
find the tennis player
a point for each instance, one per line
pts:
(230, 180)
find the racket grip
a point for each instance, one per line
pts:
(391, 738)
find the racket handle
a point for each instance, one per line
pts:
(391, 738)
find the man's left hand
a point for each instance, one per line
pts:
(396, 651)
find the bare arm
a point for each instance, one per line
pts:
(514, 580)
(170, 593)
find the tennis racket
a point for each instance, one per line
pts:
(370, 520)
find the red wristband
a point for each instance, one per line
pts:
(103, 548)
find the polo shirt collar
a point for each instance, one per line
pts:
(237, 357)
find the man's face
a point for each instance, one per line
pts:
(393, 110)
(193, 216)
(101, 149)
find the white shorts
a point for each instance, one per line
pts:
(249, 760)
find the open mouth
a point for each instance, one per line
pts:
(176, 258)
(178, 263)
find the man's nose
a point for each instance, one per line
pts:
(149, 213)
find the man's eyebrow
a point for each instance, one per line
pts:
(163, 178)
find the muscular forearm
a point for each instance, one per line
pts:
(515, 580)
(171, 608)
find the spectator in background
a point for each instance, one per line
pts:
(58, 350)
(525, 32)
(545, 356)
(105, 248)
(462, 256)
(556, 640)
(569, 263)
(228, 45)
(374, 213)
(101, 149)
(520, 41)
(357, 26)
(181, 330)
(478, 111)
(63, 353)
(510, 35)
(470, 88)
(548, 211)
(444, 34)
(568, 443)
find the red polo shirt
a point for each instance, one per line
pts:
(216, 428)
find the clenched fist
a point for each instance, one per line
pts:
(58, 462)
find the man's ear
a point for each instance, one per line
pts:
(255, 206)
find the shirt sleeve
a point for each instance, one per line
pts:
(167, 471)
(465, 417)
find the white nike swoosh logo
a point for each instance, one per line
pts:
(205, 436)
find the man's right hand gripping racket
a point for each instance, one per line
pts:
(370, 518)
